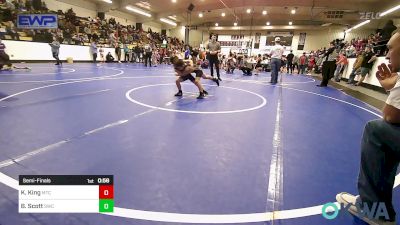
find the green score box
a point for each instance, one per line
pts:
(106, 205)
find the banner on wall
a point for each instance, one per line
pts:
(280, 33)
(237, 37)
(285, 36)
(244, 51)
(244, 44)
(302, 41)
(257, 41)
(37, 21)
(285, 40)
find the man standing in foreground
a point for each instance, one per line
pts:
(276, 55)
(213, 49)
(380, 147)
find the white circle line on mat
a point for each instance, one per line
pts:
(199, 218)
(34, 74)
(78, 79)
(128, 96)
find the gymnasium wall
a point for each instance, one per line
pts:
(178, 32)
(81, 8)
(42, 52)
(155, 27)
(197, 37)
(123, 18)
(90, 9)
(315, 39)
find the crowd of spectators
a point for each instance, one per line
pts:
(76, 30)
(310, 61)
(136, 45)
(375, 41)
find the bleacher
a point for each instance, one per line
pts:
(8, 31)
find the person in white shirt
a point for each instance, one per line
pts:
(101, 51)
(55, 49)
(380, 146)
(276, 55)
(93, 50)
(111, 39)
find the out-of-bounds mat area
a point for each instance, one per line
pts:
(248, 153)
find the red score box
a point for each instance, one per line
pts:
(106, 192)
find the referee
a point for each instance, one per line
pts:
(329, 65)
(276, 58)
(213, 49)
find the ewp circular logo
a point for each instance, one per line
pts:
(327, 208)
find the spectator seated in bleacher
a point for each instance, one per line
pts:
(78, 30)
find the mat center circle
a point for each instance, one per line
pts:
(188, 102)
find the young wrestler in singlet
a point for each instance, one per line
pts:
(183, 71)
